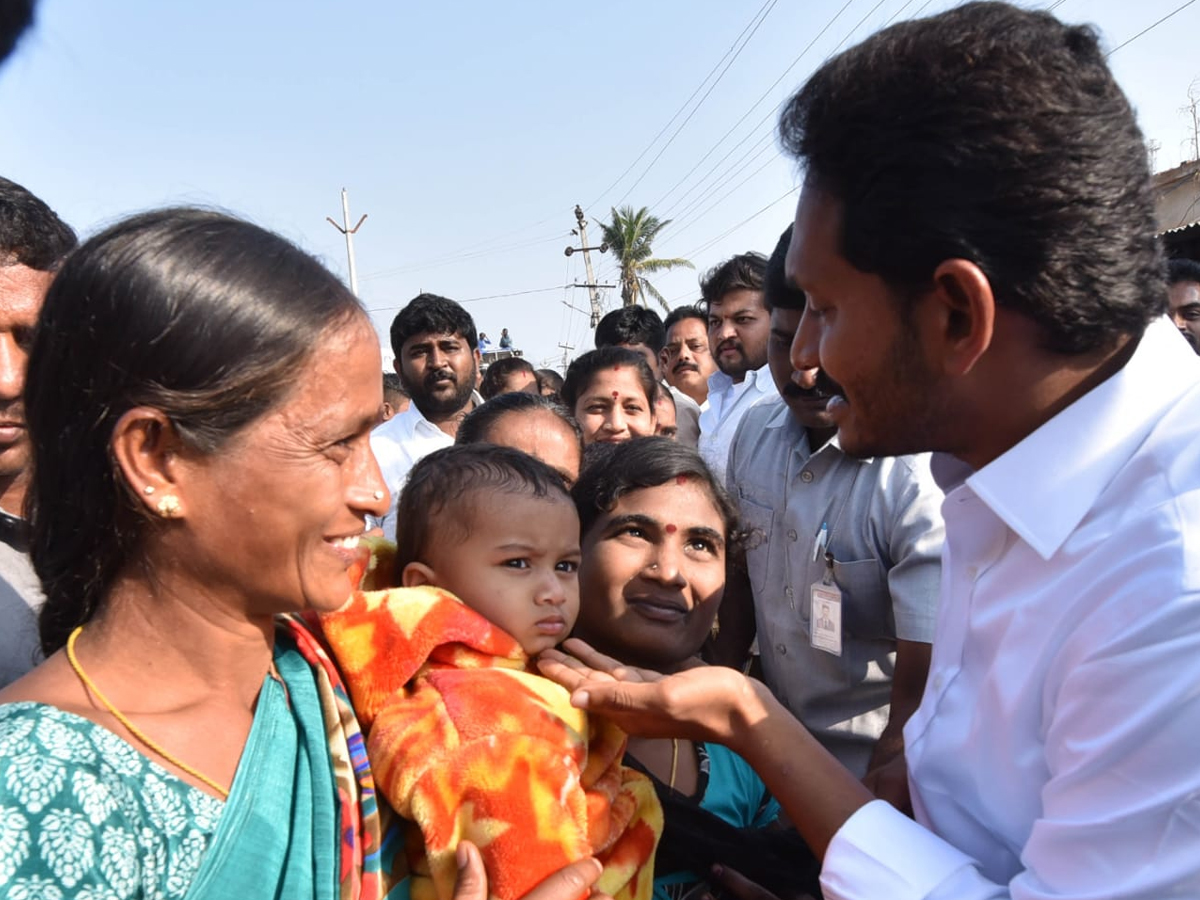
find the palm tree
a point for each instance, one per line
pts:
(629, 235)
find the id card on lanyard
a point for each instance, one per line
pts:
(825, 612)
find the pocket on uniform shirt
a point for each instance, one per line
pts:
(866, 603)
(759, 521)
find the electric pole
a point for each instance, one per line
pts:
(581, 231)
(349, 232)
(566, 348)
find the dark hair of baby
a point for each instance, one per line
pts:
(440, 498)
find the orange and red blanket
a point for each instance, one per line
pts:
(468, 744)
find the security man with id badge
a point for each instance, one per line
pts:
(843, 564)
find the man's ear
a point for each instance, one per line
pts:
(417, 574)
(147, 449)
(966, 311)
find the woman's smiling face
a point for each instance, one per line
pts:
(652, 575)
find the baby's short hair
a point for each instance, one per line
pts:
(439, 499)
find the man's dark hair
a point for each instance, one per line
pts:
(679, 313)
(431, 314)
(31, 234)
(743, 272)
(393, 385)
(777, 290)
(631, 325)
(439, 499)
(996, 135)
(499, 371)
(1183, 270)
(15, 17)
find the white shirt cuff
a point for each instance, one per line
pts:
(880, 852)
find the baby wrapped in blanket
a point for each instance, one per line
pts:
(466, 741)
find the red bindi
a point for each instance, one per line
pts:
(616, 395)
(671, 529)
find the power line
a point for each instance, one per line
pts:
(679, 111)
(723, 197)
(756, 104)
(450, 258)
(745, 221)
(696, 108)
(1148, 28)
(557, 287)
(734, 170)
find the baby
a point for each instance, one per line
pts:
(465, 740)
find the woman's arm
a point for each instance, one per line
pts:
(721, 705)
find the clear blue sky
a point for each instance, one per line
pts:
(468, 131)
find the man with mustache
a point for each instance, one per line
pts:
(737, 335)
(437, 359)
(848, 658)
(33, 242)
(686, 360)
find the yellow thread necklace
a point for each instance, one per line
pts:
(130, 727)
(674, 760)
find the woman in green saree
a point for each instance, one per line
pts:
(200, 396)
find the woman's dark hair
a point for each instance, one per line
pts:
(479, 422)
(439, 498)
(612, 470)
(197, 314)
(583, 370)
(997, 135)
(549, 378)
(493, 383)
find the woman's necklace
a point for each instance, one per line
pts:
(674, 761)
(137, 732)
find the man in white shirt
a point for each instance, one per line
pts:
(976, 239)
(437, 359)
(975, 236)
(738, 325)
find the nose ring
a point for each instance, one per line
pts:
(378, 495)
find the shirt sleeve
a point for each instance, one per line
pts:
(915, 534)
(1119, 812)
(879, 852)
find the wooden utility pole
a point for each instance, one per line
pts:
(593, 288)
(349, 232)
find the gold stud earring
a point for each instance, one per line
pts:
(169, 508)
